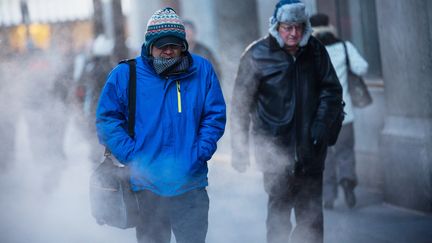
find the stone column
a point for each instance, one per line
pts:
(120, 49)
(140, 13)
(98, 26)
(406, 140)
(202, 14)
(237, 26)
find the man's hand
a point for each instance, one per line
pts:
(318, 133)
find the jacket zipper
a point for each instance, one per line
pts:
(179, 106)
(296, 117)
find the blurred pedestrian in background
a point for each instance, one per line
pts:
(98, 64)
(287, 91)
(180, 116)
(9, 117)
(46, 81)
(340, 162)
(199, 48)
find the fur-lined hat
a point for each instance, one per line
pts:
(290, 11)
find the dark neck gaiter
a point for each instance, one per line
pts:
(171, 66)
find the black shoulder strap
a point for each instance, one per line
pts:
(346, 56)
(132, 97)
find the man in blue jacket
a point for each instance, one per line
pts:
(180, 116)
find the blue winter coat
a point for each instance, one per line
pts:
(177, 125)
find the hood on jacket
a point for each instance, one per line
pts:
(290, 11)
(323, 30)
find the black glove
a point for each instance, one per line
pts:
(319, 133)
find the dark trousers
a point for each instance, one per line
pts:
(304, 195)
(186, 215)
(340, 163)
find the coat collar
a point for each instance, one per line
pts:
(147, 63)
(274, 46)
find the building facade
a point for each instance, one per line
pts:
(393, 135)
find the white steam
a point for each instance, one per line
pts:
(44, 182)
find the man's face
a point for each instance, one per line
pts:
(168, 51)
(291, 33)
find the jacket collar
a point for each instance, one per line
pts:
(147, 63)
(327, 38)
(274, 46)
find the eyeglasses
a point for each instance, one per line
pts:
(290, 27)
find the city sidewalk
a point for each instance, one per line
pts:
(238, 211)
(237, 206)
(373, 221)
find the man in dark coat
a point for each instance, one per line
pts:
(287, 90)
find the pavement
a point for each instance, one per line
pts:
(32, 212)
(240, 213)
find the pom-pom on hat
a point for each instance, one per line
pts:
(290, 11)
(163, 23)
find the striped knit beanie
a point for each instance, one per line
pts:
(164, 22)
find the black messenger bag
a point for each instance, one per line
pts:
(357, 88)
(112, 202)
